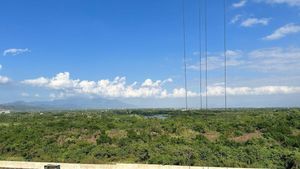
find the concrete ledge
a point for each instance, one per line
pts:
(39, 165)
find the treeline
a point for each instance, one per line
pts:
(262, 138)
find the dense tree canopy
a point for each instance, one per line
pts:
(237, 138)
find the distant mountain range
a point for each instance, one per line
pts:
(66, 104)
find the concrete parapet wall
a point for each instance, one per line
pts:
(38, 165)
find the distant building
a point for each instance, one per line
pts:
(4, 111)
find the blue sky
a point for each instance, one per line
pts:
(58, 49)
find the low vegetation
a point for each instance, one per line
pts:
(237, 138)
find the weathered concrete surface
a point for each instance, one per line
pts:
(37, 165)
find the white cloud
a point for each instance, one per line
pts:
(1, 67)
(283, 32)
(236, 18)
(288, 2)
(24, 94)
(105, 88)
(179, 93)
(233, 53)
(118, 88)
(37, 82)
(4, 79)
(275, 59)
(262, 90)
(239, 4)
(15, 51)
(255, 21)
(267, 60)
(150, 83)
(216, 61)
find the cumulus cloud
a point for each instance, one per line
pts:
(178, 93)
(239, 4)
(15, 51)
(255, 21)
(287, 2)
(4, 79)
(283, 32)
(150, 83)
(37, 82)
(117, 88)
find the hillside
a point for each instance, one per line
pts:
(73, 103)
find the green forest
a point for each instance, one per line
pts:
(262, 138)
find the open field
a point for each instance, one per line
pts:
(257, 138)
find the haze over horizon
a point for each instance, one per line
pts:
(132, 51)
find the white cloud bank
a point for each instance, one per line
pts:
(15, 51)
(275, 59)
(262, 90)
(4, 79)
(118, 88)
(255, 21)
(24, 94)
(267, 60)
(288, 2)
(240, 4)
(283, 32)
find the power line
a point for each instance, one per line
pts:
(200, 53)
(206, 57)
(184, 54)
(225, 55)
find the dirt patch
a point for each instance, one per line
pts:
(212, 135)
(114, 133)
(61, 139)
(93, 138)
(247, 137)
(72, 137)
(296, 132)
